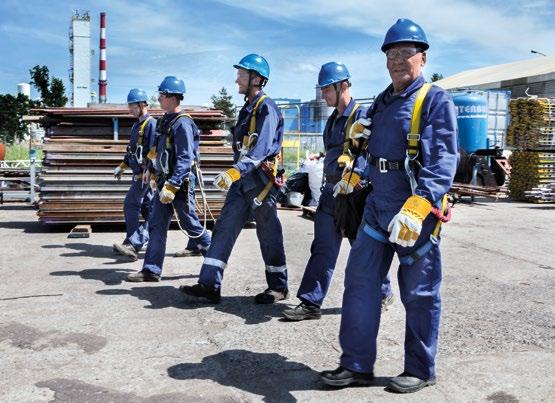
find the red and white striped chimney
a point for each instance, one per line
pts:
(102, 66)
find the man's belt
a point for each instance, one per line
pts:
(385, 165)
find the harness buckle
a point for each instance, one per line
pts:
(413, 136)
(164, 162)
(139, 154)
(382, 165)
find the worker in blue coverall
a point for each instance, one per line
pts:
(333, 80)
(138, 200)
(411, 172)
(250, 185)
(174, 159)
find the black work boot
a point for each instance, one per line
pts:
(344, 377)
(143, 275)
(302, 311)
(200, 293)
(187, 253)
(126, 250)
(406, 383)
(270, 296)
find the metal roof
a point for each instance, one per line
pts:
(492, 76)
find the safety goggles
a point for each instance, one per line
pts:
(403, 53)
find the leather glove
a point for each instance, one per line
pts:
(167, 194)
(224, 180)
(119, 170)
(347, 184)
(345, 161)
(406, 226)
(360, 129)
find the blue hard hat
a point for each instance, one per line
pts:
(136, 95)
(172, 85)
(255, 63)
(405, 30)
(331, 73)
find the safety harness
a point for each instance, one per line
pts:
(442, 209)
(270, 165)
(138, 153)
(165, 158)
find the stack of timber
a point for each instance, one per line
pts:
(76, 182)
(532, 136)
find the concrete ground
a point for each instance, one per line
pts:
(71, 330)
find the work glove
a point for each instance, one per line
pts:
(167, 194)
(345, 161)
(119, 170)
(360, 131)
(224, 180)
(347, 184)
(406, 226)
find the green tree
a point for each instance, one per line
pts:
(223, 101)
(52, 91)
(12, 109)
(436, 77)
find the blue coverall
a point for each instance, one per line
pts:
(239, 205)
(370, 259)
(138, 200)
(327, 239)
(177, 170)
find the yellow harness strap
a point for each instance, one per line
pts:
(247, 141)
(413, 137)
(169, 138)
(142, 130)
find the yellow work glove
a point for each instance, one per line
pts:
(360, 129)
(406, 226)
(167, 194)
(120, 169)
(347, 184)
(345, 160)
(224, 180)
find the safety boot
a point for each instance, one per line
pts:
(302, 311)
(187, 253)
(270, 296)
(406, 383)
(344, 377)
(127, 250)
(143, 275)
(200, 293)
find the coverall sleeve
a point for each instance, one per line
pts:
(184, 153)
(439, 148)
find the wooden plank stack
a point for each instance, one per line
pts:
(531, 135)
(77, 184)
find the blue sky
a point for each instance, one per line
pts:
(201, 40)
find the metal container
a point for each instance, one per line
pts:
(472, 119)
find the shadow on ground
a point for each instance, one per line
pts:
(160, 297)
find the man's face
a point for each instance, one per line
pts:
(134, 109)
(242, 80)
(167, 103)
(329, 95)
(404, 62)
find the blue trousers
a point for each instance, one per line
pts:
(419, 283)
(160, 220)
(237, 210)
(324, 252)
(138, 201)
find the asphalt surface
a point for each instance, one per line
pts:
(72, 330)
